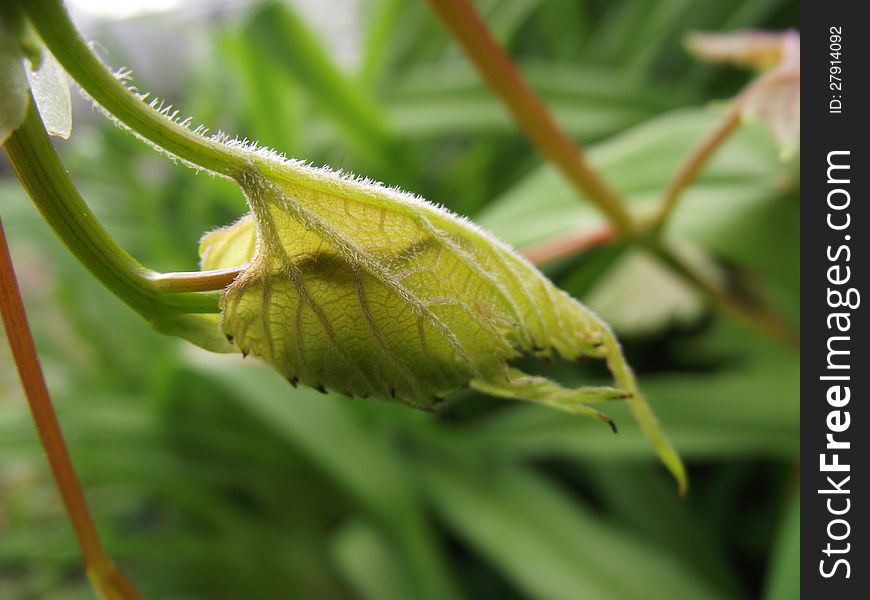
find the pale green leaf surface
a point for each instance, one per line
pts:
(622, 296)
(50, 88)
(368, 291)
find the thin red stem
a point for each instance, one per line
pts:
(695, 162)
(530, 114)
(99, 567)
(569, 245)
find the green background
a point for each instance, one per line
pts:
(210, 477)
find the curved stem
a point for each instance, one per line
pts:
(106, 577)
(693, 165)
(530, 114)
(54, 26)
(40, 171)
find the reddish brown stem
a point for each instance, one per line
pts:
(694, 163)
(100, 569)
(569, 245)
(530, 114)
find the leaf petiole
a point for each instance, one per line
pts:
(693, 165)
(195, 281)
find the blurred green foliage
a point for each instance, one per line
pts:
(212, 478)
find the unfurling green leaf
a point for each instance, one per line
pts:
(369, 291)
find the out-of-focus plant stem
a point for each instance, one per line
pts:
(569, 245)
(111, 583)
(502, 75)
(530, 114)
(693, 165)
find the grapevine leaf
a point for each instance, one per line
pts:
(368, 291)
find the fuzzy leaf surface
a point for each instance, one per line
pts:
(368, 291)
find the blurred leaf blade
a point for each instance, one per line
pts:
(322, 429)
(551, 547)
(369, 562)
(784, 573)
(281, 35)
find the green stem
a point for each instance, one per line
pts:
(54, 26)
(40, 171)
(530, 114)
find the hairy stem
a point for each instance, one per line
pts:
(50, 19)
(693, 165)
(105, 576)
(41, 173)
(530, 114)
